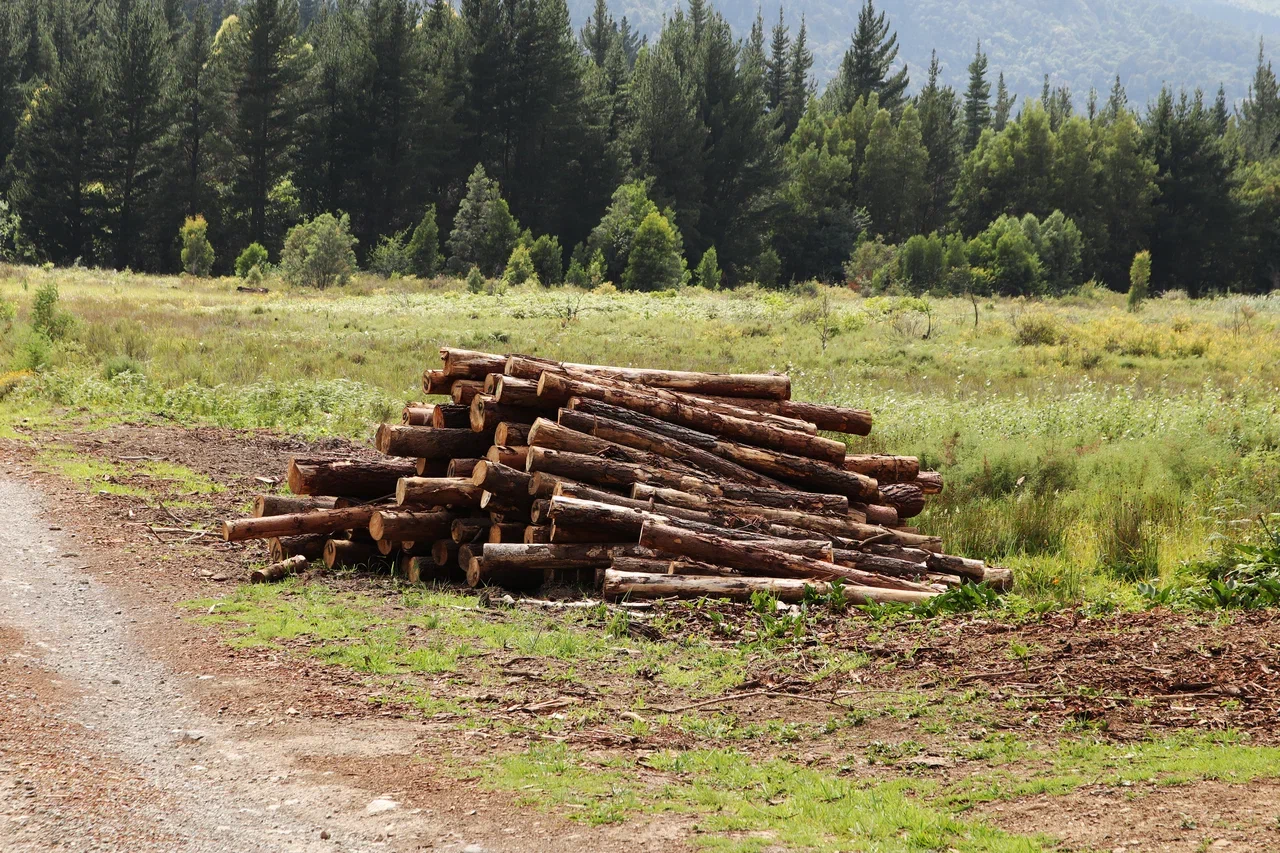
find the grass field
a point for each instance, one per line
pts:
(1085, 446)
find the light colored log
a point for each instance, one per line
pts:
(297, 524)
(438, 491)
(278, 571)
(354, 478)
(773, 386)
(398, 525)
(635, 585)
(264, 505)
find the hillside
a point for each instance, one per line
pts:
(1081, 43)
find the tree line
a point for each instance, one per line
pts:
(446, 138)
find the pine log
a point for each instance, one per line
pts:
(901, 552)
(770, 386)
(417, 414)
(535, 558)
(656, 436)
(513, 391)
(465, 554)
(670, 567)
(884, 469)
(569, 489)
(639, 586)
(426, 570)
(537, 534)
(556, 387)
(460, 467)
(264, 505)
(825, 417)
(891, 566)
(345, 553)
(930, 482)
(503, 480)
(430, 443)
(586, 468)
(509, 434)
(463, 391)
(543, 485)
(435, 382)
(398, 525)
(437, 491)
(513, 456)
(386, 546)
(509, 533)
(492, 502)
(722, 512)
(451, 417)
(464, 530)
(356, 478)
(432, 467)
(974, 570)
(906, 498)
(753, 558)
(469, 364)
(1000, 578)
(545, 433)
(297, 524)
(487, 413)
(278, 571)
(310, 546)
(875, 513)
(807, 501)
(444, 552)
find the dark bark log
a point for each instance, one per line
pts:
(930, 482)
(264, 505)
(464, 530)
(669, 566)
(432, 467)
(771, 386)
(543, 485)
(584, 468)
(537, 534)
(435, 382)
(425, 570)
(889, 566)
(356, 478)
(549, 434)
(510, 533)
(348, 554)
(444, 552)
(641, 586)
(451, 417)
(310, 546)
(510, 434)
(437, 491)
(723, 512)
(398, 525)
(974, 570)
(278, 571)
(824, 417)
(513, 391)
(535, 558)
(487, 413)
(298, 524)
(503, 480)
(460, 467)
(884, 469)
(906, 498)
(431, 443)
(386, 547)
(875, 513)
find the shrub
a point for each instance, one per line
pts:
(869, 258)
(8, 313)
(767, 268)
(1037, 328)
(47, 316)
(1005, 250)
(197, 251)
(391, 256)
(519, 267)
(577, 276)
(655, 262)
(1059, 248)
(254, 277)
(484, 231)
(319, 253)
(548, 259)
(614, 235)
(921, 262)
(708, 273)
(475, 280)
(119, 364)
(254, 255)
(1139, 279)
(424, 246)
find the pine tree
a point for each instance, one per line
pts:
(631, 41)
(778, 77)
(484, 231)
(754, 61)
(1221, 117)
(1004, 106)
(940, 134)
(37, 56)
(424, 246)
(1260, 113)
(599, 33)
(654, 262)
(977, 101)
(1117, 102)
(10, 73)
(868, 63)
(799, 82)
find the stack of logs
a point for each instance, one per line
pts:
(644, 483)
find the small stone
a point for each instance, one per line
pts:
(474, 848)
(115, 681)
(324, 835)
(381, 804)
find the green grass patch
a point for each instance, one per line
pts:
(161, 479)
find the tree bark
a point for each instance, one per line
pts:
(543, 485)
(426, 570)
(668, 566)
(345, 553)
(437, 491)
(310, 546)
(444, 552)
(503, 480)
(265, 505)
(398, 526)
(451, 417)
(974, 570)
(639, 586)
(487, 413)
(297, 524)
(874, 514)
(824, 417)
(431, 443)
(586, 468)
(722, 511)
(510, 533)
(417, 414)
(464, 530)
(432, 467)
(469, 364)
(930, 482)
(278, 571)
(435, 382)
(884, 469)
(514, 457)
(513, 391)
(769, 386)
(460, 468)
(354, 478)
(463, 391)
(906, 498)
(549, 434)
(508, 434)
(535, 558)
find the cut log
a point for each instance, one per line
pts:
(722, 512)
(348, 554)
(890, 566)
(437, 491)
(658, 437)
(586, 468)
(504, 505)
(1001, 579)
(974, 570)
(770, 386)
(430, 443)
(356, 478)
(884, 469)
(432, 467)
(444, 552)
(825, 417)
(556, 387)
(469, 364)
(503, 480)
(545, 433)
(537, 534)
(460, 468)
(264, 505)
(435, 382)
(875, 514)
(669, 566)
(756, 559)
(510, 434)
(397, 525)
(387, 546)
(640, 586)
(417, 414)
(906, 498)
(310, 546)
(535, 558)
(463, 391)
(570, 489)
(451, 417)
(297, 524)
(278, 571)
(543, 485)
(515, 457)
(510, 533)
(930, 482)
(487, 413)
(464, 530)
(513, 391)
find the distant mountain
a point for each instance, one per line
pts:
(1080, 43)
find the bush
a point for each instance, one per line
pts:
(614, 235)
(8, 313)
(577, 276)
(254, 277)
(475, 280)
(119, 364)
(47, 316)
(424, 246)
(1139, 279)
(708, 273)
(1059, 248)
(548, 259)
(10, 233)
(254, 255)
(391, 256)
(197, 251)
(869, 258)
(484, 231)
(767, 268)
(319, 253)
(921, 262)
(1037, 328)
(519, 267)
(655, 262)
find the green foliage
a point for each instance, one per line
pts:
(1139, 279)
(1005, 250)
(319, 253)
(475, 280)
(484, 231)
(576, 276)
(391, 256)
(707, 274)
(548, 260)
(613, 236)
(1246, 577)
(654, 262)
(520, 267)
(870, 258)
(922, 262)
(424, 246)
(47, 315)
(10, 232)
(197, 251)
(254, 255)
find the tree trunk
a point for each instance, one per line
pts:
(469, 364)
(884, 469)
(974, 570)
(265, 505)
(543, 485)
(432, 467)
(463, 468)
(510, 533)
(278, 571)
(397, 526)
(503, 480)
(930, 482)
(417, 414)
(354, 478)
(535, 558)
(549, 434)
(487, 413)
(310, 546)
(444, 552)
(586, 468)
(769, 386)
(510, 434)
(907, 498)
(464, 530)
(513, 391)
(347, 554)
(437, 491)
(426, 570)
(824, 417)
(514, 457)
(431, 443)
(875, 514)
(722, 512)
(463, 391)
(435, 382)
(451, 417)
(297, 524)
(670, 567)
(570, 489)
(640, 586)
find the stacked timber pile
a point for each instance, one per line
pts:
(642, 482)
